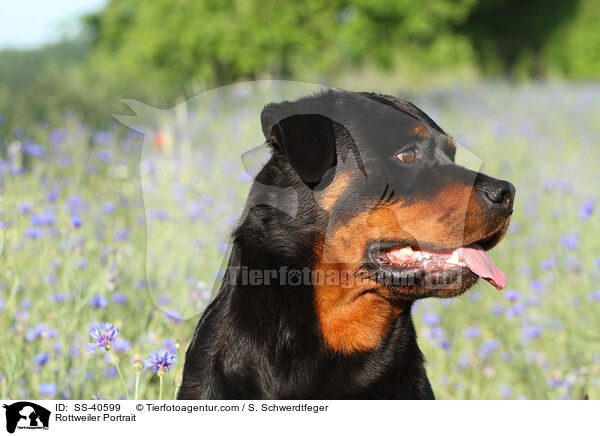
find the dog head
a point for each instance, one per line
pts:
(403, 217)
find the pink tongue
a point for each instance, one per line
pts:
(481, 264)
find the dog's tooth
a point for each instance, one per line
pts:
(454, 259)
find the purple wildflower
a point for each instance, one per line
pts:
(110, 371)
(48, 389)
(173, 316)
(488, 347)
(108, 207)
(594, 296)
(32, 149)
(548, 264)
(59, 298)
(160, 360)
(118, 298)
(43, 219)
(586, 210)
(41, 359)
(103, 337)
(514, 310)
(511, 294)
(537, 286)
(98, 301)
(170, 345)
(40, 331)
(431, 318)
(76, 222)
(531, 332)
(472, 332)
(505, 391)
(57, 136)
(122, 234)
(34, 233)
(569, 242)
(122, 345)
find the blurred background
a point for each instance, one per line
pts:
(101, 223)
(85, 55)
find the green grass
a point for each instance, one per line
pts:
(543, 138)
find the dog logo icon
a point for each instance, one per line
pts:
(26, 415)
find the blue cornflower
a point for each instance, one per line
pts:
(48, 389)
(43, 219)
(160, 360)
(586, 210)
(59, 298)
(105, 156)
(40, 331)
(102, 137)
(548, 263)
(598, 261)
(570, 242)
(122, 345)
(34, 233)
(41, 359)
(52, 195)
(497, 309)
(537, 286)
(108, 207)
(488, 347)
(110, 371)
(472, 332)
(76, 221)
(98, 301)
(594, 296)
(511, 294)
(75, 204)
(57, 136)
(514, 310)
(164, 299)
(25, 208)
(32, 149)
(505, 391)
(431, 318)
(122, 234)
(118, 298)
(103, 337)
(173, 316)
(158, 214)
(531, 332)
(170, 345)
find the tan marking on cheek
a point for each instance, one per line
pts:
(329, 195)
(358, 317)
(450, 142)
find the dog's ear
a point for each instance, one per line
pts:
(307, 139)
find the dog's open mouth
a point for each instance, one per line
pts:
(444, 265)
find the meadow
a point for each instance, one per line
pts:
(105, 227)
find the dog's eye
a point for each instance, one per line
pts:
(407, 156)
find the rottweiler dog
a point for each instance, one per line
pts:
(316, 304)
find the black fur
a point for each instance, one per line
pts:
(264, 342)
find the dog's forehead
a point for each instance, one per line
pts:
(369, 121)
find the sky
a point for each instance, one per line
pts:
(33, 23)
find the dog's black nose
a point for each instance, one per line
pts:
(499, 194)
